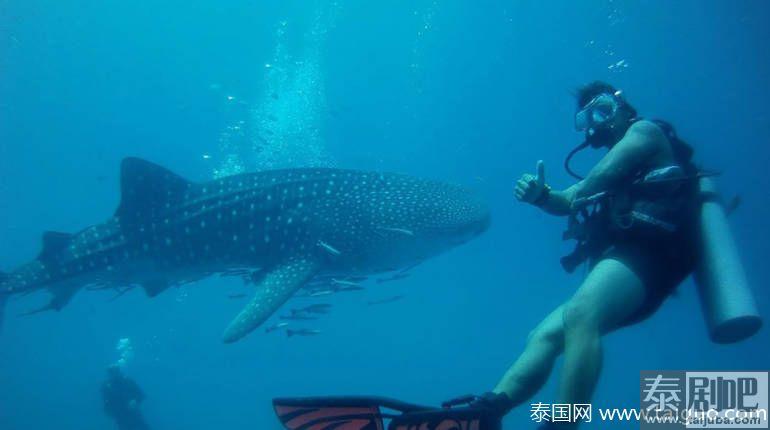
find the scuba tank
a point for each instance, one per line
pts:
(728, 304)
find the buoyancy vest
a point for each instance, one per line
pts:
(654, 204)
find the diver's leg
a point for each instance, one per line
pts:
(530, 371)
(610, 294)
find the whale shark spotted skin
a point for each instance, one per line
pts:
(287, 226)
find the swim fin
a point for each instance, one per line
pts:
(366, 413)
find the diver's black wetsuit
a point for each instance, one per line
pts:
(122, 396)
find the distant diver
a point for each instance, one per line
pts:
(644, 218)
(122, 398)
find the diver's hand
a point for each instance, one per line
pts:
(530, 188)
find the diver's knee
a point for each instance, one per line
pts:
(579, 314)
(553, 336)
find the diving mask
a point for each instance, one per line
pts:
(597, 112)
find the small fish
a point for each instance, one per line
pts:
(403, 231)
(385, 300)
(319, 308)
(328, 282)
(235, 272)
(303, 332)
(321, 293)
(314, 285)
(274, 96)
(328, 248)
(236, 296)
(344, 283)
(298, 318)
(351, 288)
(100, 286)
(37, 311)
(120, 293)
(396, 277)
(276, 326)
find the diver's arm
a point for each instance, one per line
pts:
(558, 202)
(640, 143)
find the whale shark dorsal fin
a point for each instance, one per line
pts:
(146, 187)
(53, 242)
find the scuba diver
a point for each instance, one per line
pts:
(644, 218)
(633, 217)
(122, 397)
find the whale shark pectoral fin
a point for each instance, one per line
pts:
(277, 286)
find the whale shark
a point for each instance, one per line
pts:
(283, 227)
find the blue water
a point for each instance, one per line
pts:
(469, 92)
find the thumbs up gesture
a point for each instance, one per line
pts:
(530, 188)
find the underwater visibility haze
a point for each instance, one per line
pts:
(330, 188)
